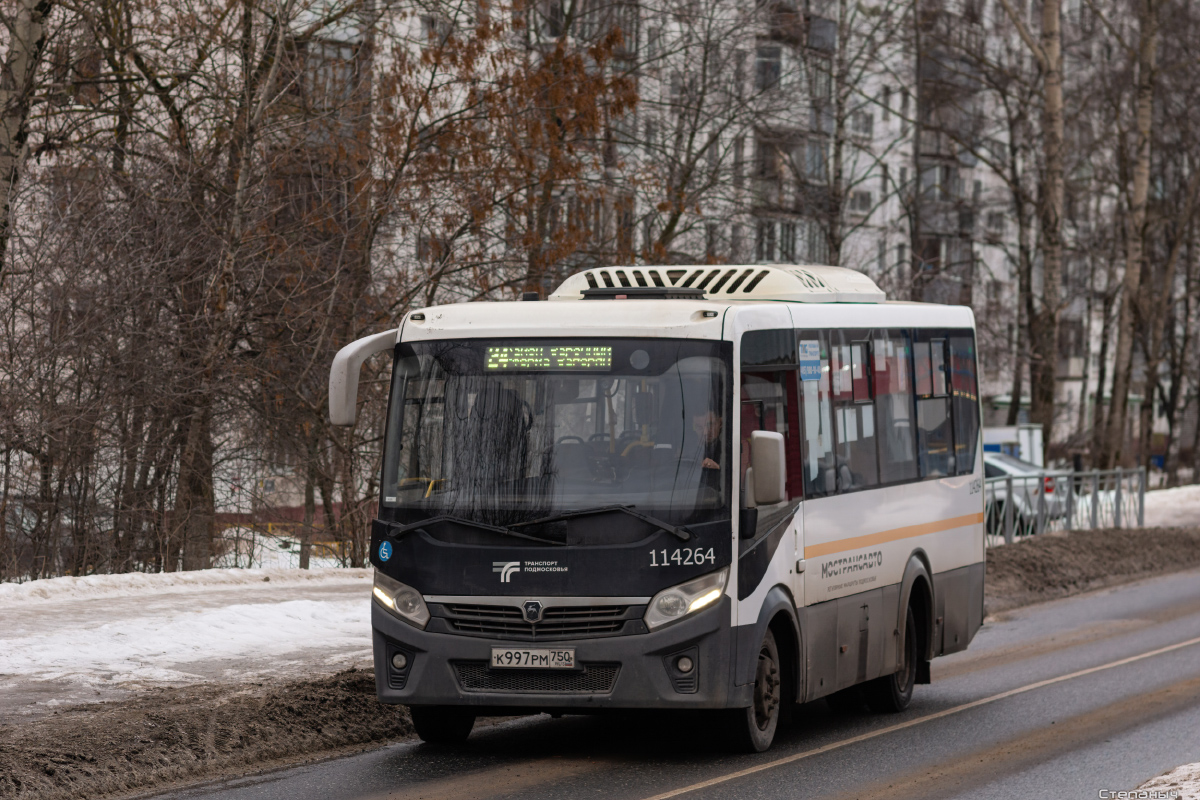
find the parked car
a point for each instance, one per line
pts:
(1030, 484)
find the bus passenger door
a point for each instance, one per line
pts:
(768, 395)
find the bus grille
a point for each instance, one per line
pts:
(560, 621)
(474, 676)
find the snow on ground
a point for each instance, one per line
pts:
(145, 583)
(100, 637)
(1183, 781)
(1173, 507)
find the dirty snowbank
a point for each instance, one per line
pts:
(167, 736)
(1184, 780)
(1039, 568)
(1173, 507)
(69, 640)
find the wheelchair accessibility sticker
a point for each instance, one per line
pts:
(385, 551)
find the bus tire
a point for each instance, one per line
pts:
(753, 728)
(891, 694)
(442, 724)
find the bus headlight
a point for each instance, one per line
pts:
(403, 601)
(677, 602)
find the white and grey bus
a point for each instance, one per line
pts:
(726, 488)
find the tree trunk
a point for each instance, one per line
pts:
(1159, 293)
(1043, 326)
(195, 515)
(310, 514)
(1024, 300)
(26, 44)
(1099, 415)
(1147, 58)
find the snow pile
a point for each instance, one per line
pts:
(184, 646)
(1178, 507)
(130, 584)
(98, 637)
(1184, 781)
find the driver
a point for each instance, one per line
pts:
(708, 426)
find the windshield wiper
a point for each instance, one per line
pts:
(681, 533)
(412, 526)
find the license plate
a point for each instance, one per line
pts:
(533, 658)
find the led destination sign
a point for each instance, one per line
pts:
(550, 357)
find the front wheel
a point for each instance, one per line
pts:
(443, 724)
(753, 728)
(893, 693)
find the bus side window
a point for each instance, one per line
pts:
(965, 401)
(768, 397)
(894, 408)
(820, 474)
(854, 411)
(935, 439)
(766, 406)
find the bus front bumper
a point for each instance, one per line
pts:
(617, 672)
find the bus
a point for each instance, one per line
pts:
(722, 488)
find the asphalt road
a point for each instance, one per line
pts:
(1100, 691)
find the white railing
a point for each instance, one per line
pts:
(1057, 501)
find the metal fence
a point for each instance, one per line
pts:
(1016, 506)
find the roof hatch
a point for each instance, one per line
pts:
(802, 284)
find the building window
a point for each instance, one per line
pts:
(860, 202)
(995, 222)
(862, 123)
(822, 80)
(764, 241)
(885, 103)
(710, 240)
(938, 182)
(431, 249)
(625, 20)
(787, 242)
(739, 159)
(554, 19)
(816, 161)
(768, 66)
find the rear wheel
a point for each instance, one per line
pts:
(754, 728)
(893, 693)
(443, 724)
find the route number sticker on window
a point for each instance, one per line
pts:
(810, 360)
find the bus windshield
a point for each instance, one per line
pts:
(507, 431)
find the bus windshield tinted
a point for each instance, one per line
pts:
(507, 431)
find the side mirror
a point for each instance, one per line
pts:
(770, 468)
(343, 374)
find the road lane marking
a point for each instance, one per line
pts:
(963, 773)
(779, 762)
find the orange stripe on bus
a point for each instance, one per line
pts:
(907, 532)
